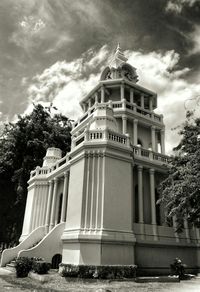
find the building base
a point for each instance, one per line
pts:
(105, 248)
(154, 259)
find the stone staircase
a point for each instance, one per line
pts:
(11, 266)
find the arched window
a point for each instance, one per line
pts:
(139, 143)
(60, 208)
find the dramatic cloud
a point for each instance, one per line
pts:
(195, 36)
(65, 84)
(28, 32)
(160, 73)
(177, 5)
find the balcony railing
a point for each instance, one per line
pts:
(100, 135)
(120, 105)
(148, 154)
(47, 170)
(137, 109)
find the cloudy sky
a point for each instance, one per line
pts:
(54, 51)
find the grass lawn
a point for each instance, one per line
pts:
(56, 283)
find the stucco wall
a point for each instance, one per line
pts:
(28, 212)
(155, 259)
(118, 194)
(74, 207)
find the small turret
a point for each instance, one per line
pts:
(103, 118)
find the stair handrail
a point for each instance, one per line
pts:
(11, 253)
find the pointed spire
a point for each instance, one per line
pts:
(118, 57)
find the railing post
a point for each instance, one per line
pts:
(37, 170)
(127, 140)
(110, 104)
(105, 134)
(73, 144)
(124, 103)
(86, 134)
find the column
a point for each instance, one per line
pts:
(102, 94)
(124, 124)
(153, 203)
(142, 100)
(84, 107)
(131, 96)
(46, 191)
(151, 103)
(96, 97)
(41, 204)
(53, 207)
(135, 132)
(140, 193)
(89, 103)
(153, 137)
(93, 193)
(38, 211)
(47, 219)
(65, 196)
(152, 193)
(33, 215)
(162, 136)
(122, 91)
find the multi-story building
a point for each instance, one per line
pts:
(97, 205)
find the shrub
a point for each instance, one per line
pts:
(23, 266)
(177, 268)
(98, 272)
(40, 267)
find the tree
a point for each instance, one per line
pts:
(22, 147)
(180, 191)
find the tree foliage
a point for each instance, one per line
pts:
(22, 147)
(181, 189)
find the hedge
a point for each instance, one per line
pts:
(98, 272)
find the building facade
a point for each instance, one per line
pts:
(97, 205)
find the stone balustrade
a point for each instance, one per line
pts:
(120, 105)
(41, 171)
(148, 154)
(95, 135)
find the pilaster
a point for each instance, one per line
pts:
(49, 202)
(122, 91)
(65, 195)
(53, 207)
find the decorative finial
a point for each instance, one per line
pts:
(118, 57)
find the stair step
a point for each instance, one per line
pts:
(11, 266)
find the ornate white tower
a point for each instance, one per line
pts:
(97, 205)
